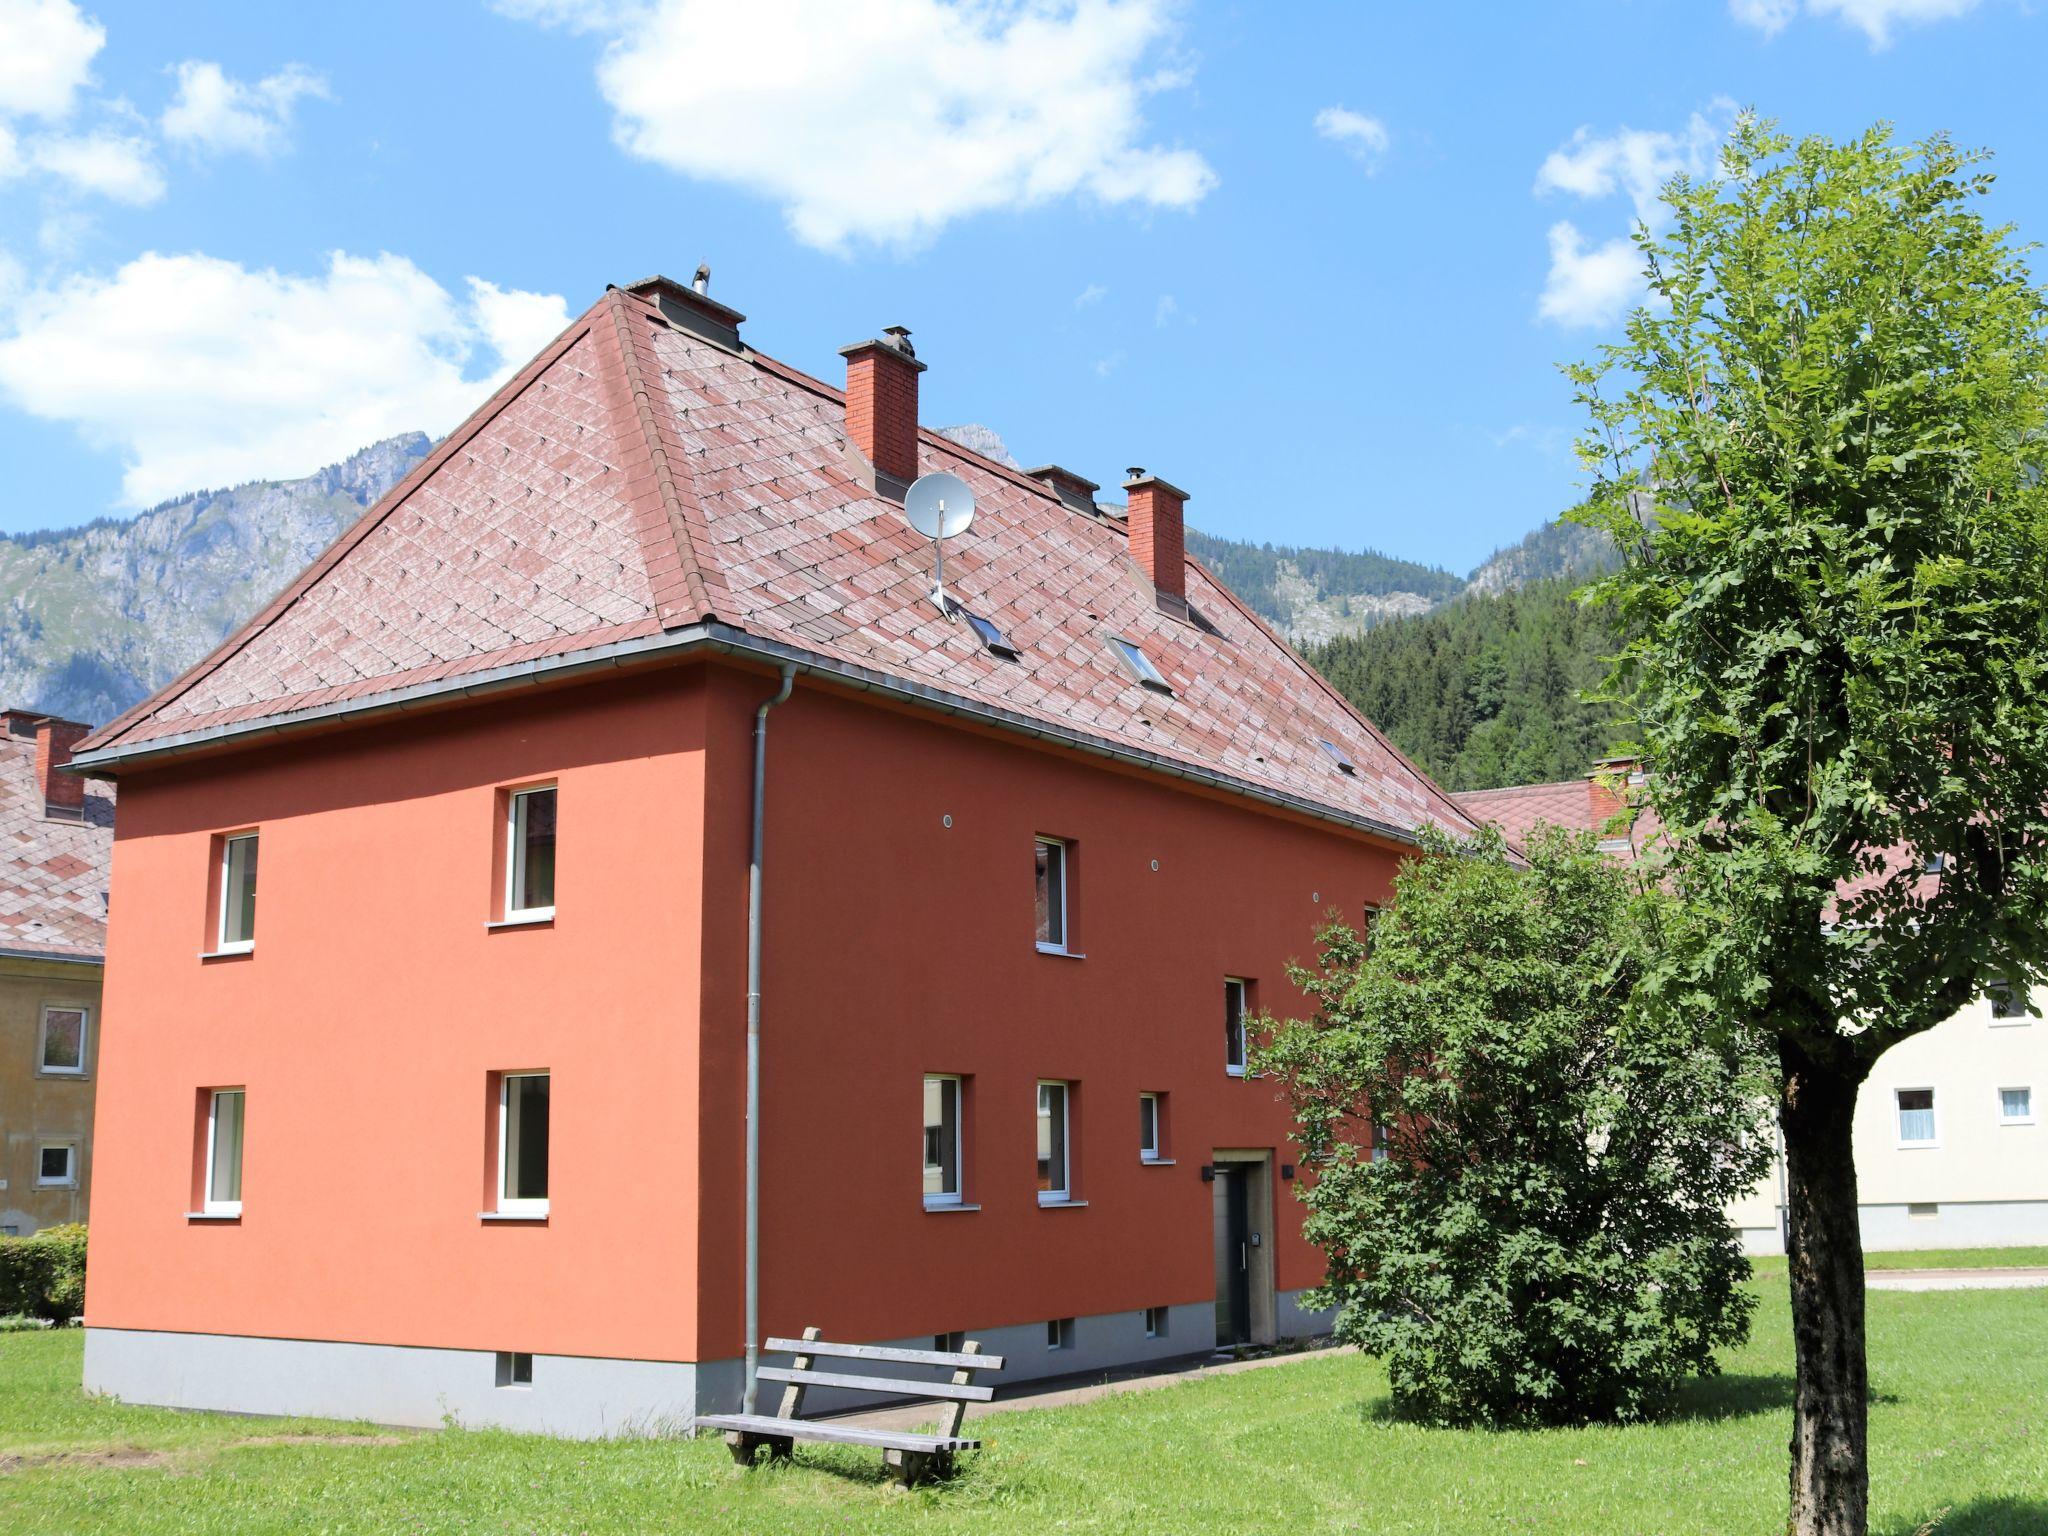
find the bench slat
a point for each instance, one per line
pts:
(886, 1352)
(882, 1384)
(836, 1434)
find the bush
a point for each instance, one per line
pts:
(43, 1276)
(1544, 1238)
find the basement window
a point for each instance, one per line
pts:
(1155, 1322)
(1139, 665)
(992, 639)
(1338, 756)
(1059, 1333)
(515, 1368)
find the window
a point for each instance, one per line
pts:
(1139, 665)
(1155, 1322)
(1916, 1117)
(949, 1343)
(1059, 1333)
(2015, 1106)
(226, 1110)
(1051, 895)
(1149, 1137)
(2008, 1002)
(941, 1140)
(1379, 1141)
(237, 894)
(991, 637)
(515, 1368)
(1338, 756)
(523, 1144)
(1054, 1185)
(530, 854)
(1233, 1026)
(63, 1044)
(1934, 864)
(56, 1165)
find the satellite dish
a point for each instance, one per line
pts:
(939, 506)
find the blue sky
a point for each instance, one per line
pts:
(1314, 263)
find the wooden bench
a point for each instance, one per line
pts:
(912, 1457)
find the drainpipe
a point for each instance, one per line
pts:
(754, 1038)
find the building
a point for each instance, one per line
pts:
(454, 1121)
(55, 834)
(1949, 1150)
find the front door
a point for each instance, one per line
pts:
(1233, 1253)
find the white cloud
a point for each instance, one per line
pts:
(880, 122)
(1094, 293)
(105, 163)
(1876, 19)
(1166, 310)
(46, 54)
(1105, 366)
(213, 112)
(198, 371)
(1589, 286)
(1631, 160)
(1363, 138)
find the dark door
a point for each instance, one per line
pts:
(1233, 1253)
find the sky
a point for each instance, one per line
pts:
(1317, 264)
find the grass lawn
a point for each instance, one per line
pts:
(1959, 1431)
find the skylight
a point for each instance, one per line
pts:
(1140, 665)
(990, 636)
(1338, 756)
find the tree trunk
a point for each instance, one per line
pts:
(1824, 1252)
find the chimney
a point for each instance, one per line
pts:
(1607, 796)
(881, 402)
(1077, 491)
(63, 793)
(1157, 536)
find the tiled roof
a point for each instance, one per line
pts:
(1520, 808)
(53, 873)
(637, 479)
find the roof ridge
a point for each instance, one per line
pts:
(681, 595)
(373, 517)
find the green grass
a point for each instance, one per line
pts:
(1772, 1267)
(1960, 1424)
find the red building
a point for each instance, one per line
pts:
(453, 1119)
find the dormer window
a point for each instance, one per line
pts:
(1338, 756)
(992, 639)
(1139, 665)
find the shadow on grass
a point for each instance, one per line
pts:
(1703, 1400)
(1980, 1517)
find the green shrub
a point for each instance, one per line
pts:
(43, 1276)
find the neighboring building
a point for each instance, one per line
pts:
(454, 1122)
(55, 835)
(1950, 1149)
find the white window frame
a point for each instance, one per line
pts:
(207, 1203)
(1143, 669)
(1054, 946)
(2028, 1117)
(1155, 1321)
(507, 1204)
(1063, 1193)
(958, 1194)
(222, 944)
(43, 1040)
(515, 853)
(1149, 1152)
(1242, 1039)
(1933, 1110)
(70, 1151)
(2019, 995)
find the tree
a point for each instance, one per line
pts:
(1820, 449)
(1545, 1237)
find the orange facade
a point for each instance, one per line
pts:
(377, 1001)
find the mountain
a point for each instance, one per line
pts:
(94, 619)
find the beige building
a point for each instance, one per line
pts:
(56, 833)
(1951, 1142)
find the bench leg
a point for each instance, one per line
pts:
(914, 1467)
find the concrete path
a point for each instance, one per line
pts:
(1063, 1391)
(1954, 1279)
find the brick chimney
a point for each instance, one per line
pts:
(1607, 796)
(881, 402)
(1158, 538)
(63, 793)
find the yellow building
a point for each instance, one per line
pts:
(56, 833)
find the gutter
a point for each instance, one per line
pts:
(38, 954)
(754, 1037)
(723, 639)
